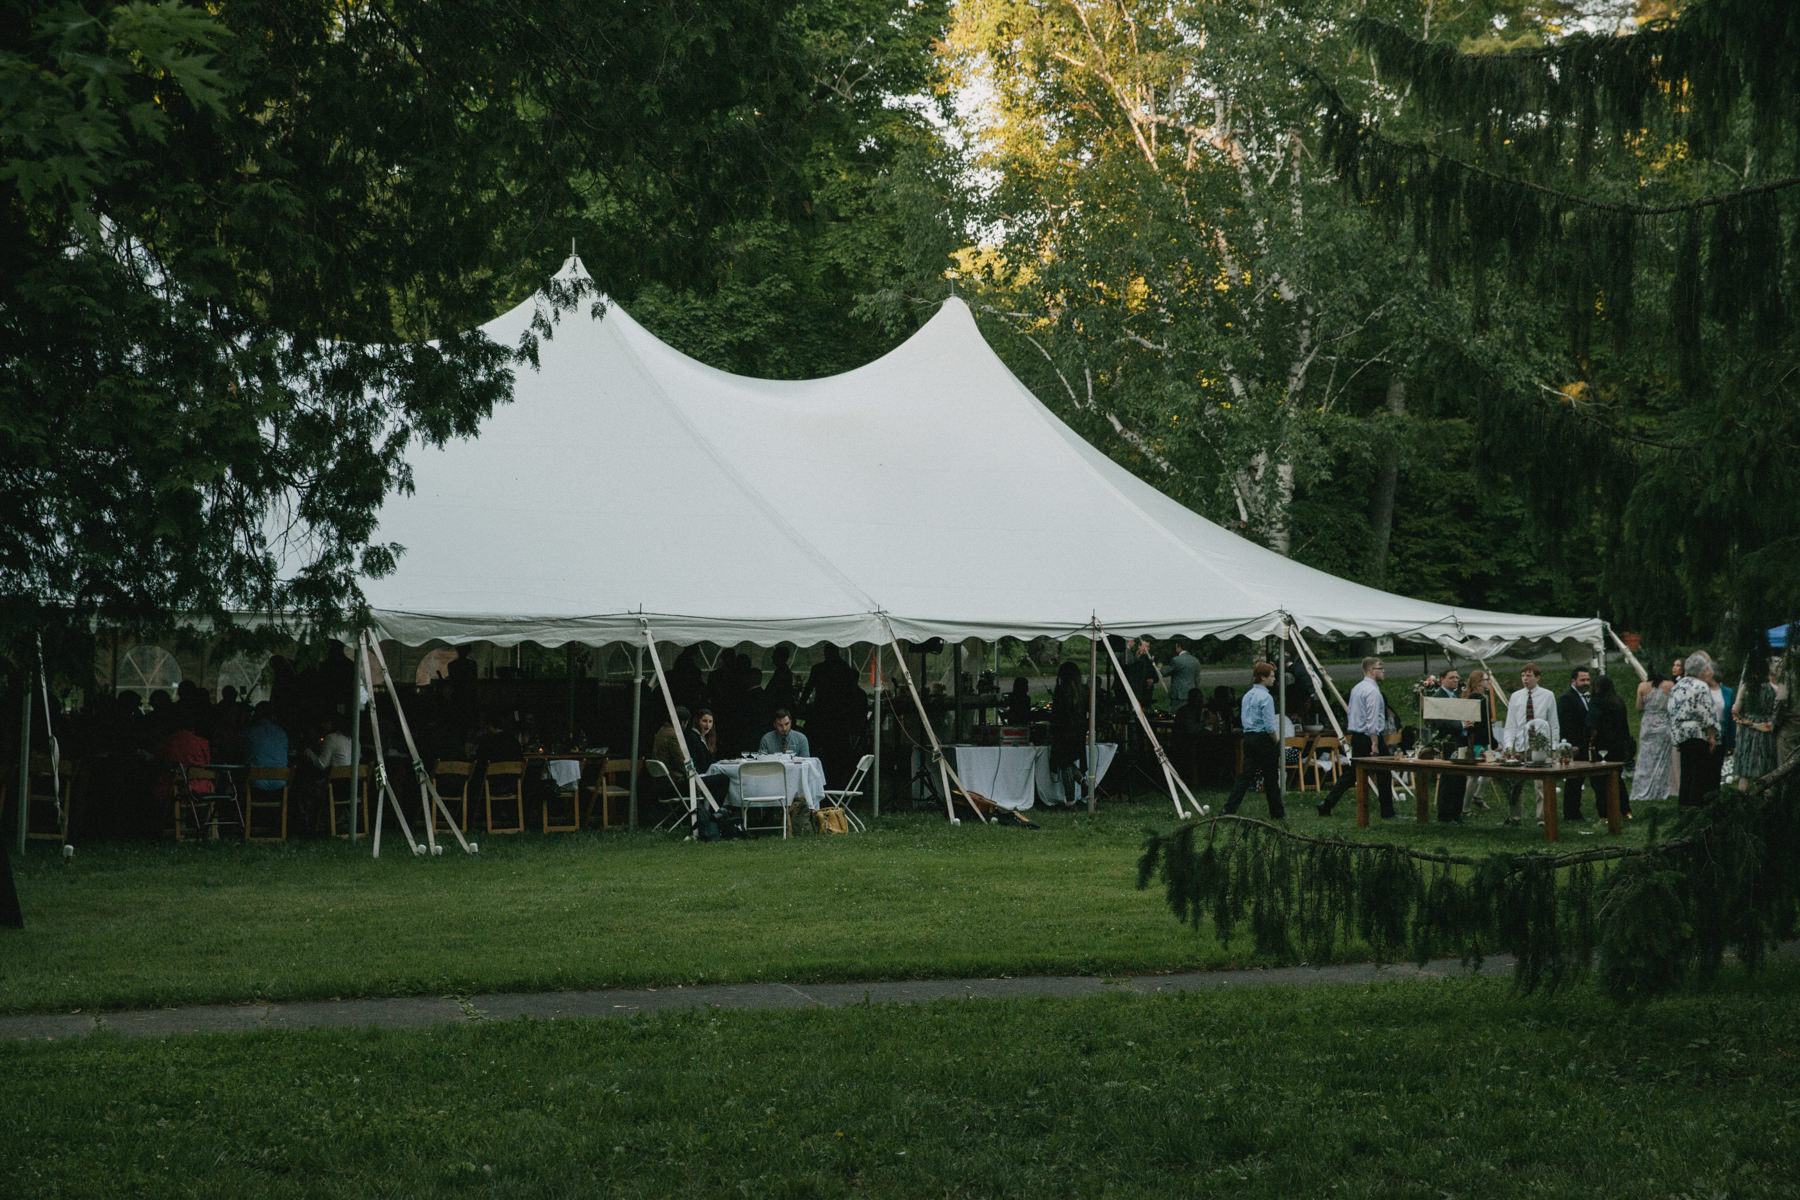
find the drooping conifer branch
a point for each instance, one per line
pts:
(1727, 880)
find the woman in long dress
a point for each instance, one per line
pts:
(1754, 713)
(1653, 779)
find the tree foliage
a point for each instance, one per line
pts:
(1647, 189)
(225, 234)
(807, 283)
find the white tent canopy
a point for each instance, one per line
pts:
(928, 492)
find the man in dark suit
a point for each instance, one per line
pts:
(1572, 719)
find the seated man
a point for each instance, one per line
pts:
(783, 738)
(266, 745)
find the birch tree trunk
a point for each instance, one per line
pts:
(1381, 516)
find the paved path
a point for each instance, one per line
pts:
(421, 1011)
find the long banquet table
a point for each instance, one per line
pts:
(1017, 776)
(1545, 775)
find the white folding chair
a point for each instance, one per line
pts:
(672, 794)
(763, 785)
(852, 791)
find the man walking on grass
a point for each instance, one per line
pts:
(1367, 722)
(1262, 743)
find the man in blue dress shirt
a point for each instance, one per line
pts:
(1262, 743)
(784, 738)
(1367, 722)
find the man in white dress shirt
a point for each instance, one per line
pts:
(1366, 723)
(1530, 706)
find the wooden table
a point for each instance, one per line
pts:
(1547, 775)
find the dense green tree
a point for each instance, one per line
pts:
(806, 285)
(1647, 188)
(1185, 282)
(226, 231)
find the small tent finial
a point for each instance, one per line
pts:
(571, 247)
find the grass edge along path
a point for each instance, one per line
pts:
(1447, 1088)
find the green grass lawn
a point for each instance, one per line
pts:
(139, 925)
(1449, 1088)
(1426, 1090)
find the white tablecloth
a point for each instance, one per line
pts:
(1018, 776)
(805, 777)
(563, 772)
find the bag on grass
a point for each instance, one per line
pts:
(830, 820)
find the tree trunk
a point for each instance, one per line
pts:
(1381, 516)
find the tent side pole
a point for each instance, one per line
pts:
(1093, 737)
(875, 721)
(356, 739)
(637, 734)
(1281, 715)
(21, 803)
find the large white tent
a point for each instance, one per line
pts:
(927, 494)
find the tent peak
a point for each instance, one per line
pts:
(573, 267)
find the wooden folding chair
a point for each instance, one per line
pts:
(556, 797)
(49, 800)
(266, 800)
(1324, 744)
(337, 782)
(505, 782)
(451, 778)
(613, 782)
(1297, 769)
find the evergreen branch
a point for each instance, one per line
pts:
(1620, 207)
(1554, 861)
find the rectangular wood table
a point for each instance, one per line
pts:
(1547, 776)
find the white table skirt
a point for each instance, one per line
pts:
(805, 777)
(1018, 776)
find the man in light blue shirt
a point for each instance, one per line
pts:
(1262, 743)
(1366, 724)
(784, 738)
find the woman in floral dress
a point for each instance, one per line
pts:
(1653, 779)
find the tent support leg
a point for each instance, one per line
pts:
(428, 793)
(687, 760)
(1176, 785)
(945, 773)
